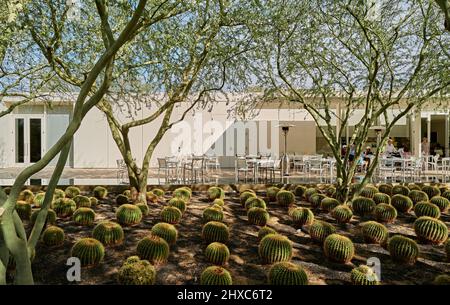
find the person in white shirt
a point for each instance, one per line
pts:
(390, 148)
(425, 146)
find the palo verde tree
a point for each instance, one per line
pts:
(386, 63)
(192, 57)
(60, 40)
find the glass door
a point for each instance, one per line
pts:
(28, 139)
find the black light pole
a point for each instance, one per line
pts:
(285, 159)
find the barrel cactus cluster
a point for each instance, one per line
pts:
(153, 248)
(135, 271)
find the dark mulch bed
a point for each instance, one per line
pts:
(187, 261)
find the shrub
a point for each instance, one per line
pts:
(363, 206)
(82, 201)
(135, 271)
(342, 214)
(171, 215)
(275, 248)
(302, 216)
(84, 216)
(108, 233)
(316, 200)
(27, 196)
(402, 203)
(50, 219)
(121, 199)
(215, 275)
(403, 249)
(166, 231)
(271, 193)
(215, 231)
(417, 196)
(431, 190)
(309, 192)
(431, 230)
(158, 192)
(363, 275)
(381, 198)
(385, 189)
(53, 236)
(400, 189)
(338, 248)
(215, 192)
(178, 203)
(286, 273)
(72, 191)
(368, 191)
(183, 193)
(245, 195)
(265, 231)
(145, 210)
(258, 216)
(39, 199)
(374, 232)
(327, 204)
(320, 230)
(64, 207)
(255, 202)
(89, 251)
(100, 192)
(442, 202)
(385, 213)
(427, 209)
(217, 253)
(23, 208)
(128, 215)
(285, 198)
(300, 191)
(154, 249)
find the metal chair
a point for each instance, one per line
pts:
(241, 166)
(196, 167)
(275, 168)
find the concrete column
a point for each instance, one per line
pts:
(416, 134)
(338, 122)
(446, 145)
(429, 128)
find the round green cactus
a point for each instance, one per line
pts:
(320, 230)
(158, 192)
(385, 189)
(217, 253)
(27, 196)
(316, 199)
(153, 248)
(431, 190)
(108, 233)
(338, 248)
(302, 216)
(127, 193)
(431, 230)
(215, 275)
(299, 191)
(171, 215)
(381, 198)
(272, 193)
(255, 202)
(427, 209)
(166, 231)
(363, 206)
(82, 201)
(39, 199)
(446, 194)
(100, 192)
(374, 232)
(84, 216)
(441, 279)
(417, 196)
(327, 204)
(258, 216)
(218, 202)
(215, 231)
(275, 248)
(402, 203)
(363, 275)
(144, 208)
(178, 203)
(330, 191)
(413, 186)
(135, 271)
(183, 193)
(368, 191)
(121, 199)
(285, 198)
(309, 192)
(94, 201)
(265, 231)
(58, 194)
(215, 192)
(151, 197)
(245, 195)
(53, 236)
(403, 249)
(400, 190)
(385, 213)
(64, 207)
(72, 191)
(287, 273)
(442, 202)
(129, 215)
(216, 206)
(342, 214)
(50, 218)
(89, 251)
(23, 208)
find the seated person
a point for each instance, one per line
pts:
(367, 157)
(390, 148)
